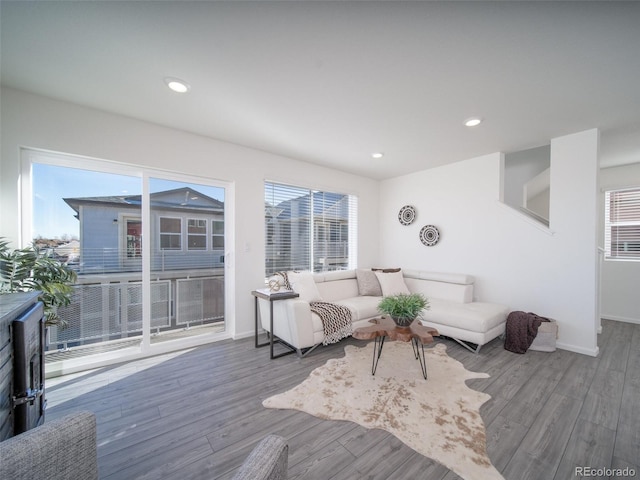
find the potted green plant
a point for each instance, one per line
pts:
(403, 308)
(31, 269)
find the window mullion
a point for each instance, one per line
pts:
(146, 264)
(312, 229)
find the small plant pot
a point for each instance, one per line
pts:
(403, 322)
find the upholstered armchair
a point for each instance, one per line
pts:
(268, 461)
(61, 449)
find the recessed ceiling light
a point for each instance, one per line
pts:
(177, 85)
(377, 155)
(473, 122)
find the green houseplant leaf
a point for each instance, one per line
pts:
(30, 269)
(403, 307)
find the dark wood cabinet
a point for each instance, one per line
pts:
(22, 376)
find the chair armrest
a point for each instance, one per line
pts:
(267, 461)
(62, 449)
(292, 321)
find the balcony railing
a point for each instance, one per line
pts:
(109, 307)
(326, 256)
(91, 261)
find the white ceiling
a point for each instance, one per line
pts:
(332, 82)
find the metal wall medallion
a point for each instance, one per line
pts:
(429, 235)
(407, 215)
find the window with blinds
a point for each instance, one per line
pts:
(309, 229)
(622, 224)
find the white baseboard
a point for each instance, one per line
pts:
(574, 348)
(620, 319)
(241, 335)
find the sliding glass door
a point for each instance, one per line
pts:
(187, 254)
(149, 251)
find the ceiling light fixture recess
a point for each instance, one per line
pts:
(377, 155)
(473, 122)
(177, 85)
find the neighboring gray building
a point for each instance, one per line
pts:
(187, 232)
(310, 231)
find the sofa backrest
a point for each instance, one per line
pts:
(454, 287)
(337, 285)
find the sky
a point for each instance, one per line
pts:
(53, 218)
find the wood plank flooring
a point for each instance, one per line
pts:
(197, 414)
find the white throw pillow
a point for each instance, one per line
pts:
(304, 285)
(392, 283)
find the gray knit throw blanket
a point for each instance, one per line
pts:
(336, 319)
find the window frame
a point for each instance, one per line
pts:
(621, 203)
(316, 212)
(145, 174)
(215, 235)
(136, 253)
(161, 234)
(190, 234)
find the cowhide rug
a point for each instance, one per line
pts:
(438, 417)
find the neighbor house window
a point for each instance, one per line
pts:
(217, 233)
(196, 234)
(622, 224)
(134, 238)
(309, 229)
(170, 233)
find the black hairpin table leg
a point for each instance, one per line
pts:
(418, 351)
(377, 351)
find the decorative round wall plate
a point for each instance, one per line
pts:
(429, 235)
(407, 215)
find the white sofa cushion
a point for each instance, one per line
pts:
(337, 290)
(363, 307)
(392, 283)
(475, 317)
(303, 284)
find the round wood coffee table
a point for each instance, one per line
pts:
(384, 327)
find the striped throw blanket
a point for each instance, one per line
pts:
(336, 319)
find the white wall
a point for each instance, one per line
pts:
(38, 122)
(515, 262)
(620, 280)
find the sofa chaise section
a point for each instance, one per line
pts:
(452, 310)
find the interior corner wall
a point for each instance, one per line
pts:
(42, 123)
(520, 167)
(619, 279)
(552, 273)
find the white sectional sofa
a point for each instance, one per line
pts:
(451, 311)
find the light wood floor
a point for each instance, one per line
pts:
(197, 414)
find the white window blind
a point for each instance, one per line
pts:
(309, 229)
(622, 224)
